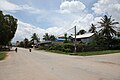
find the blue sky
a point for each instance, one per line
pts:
(56, 16)
(48, 5)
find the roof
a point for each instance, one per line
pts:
(60, 39)
(86, 35)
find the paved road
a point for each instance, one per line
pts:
(41, 65)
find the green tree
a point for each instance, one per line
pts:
(92, 29)
(46, 37)
(8, 26)
(108, 27)
(99, 40)
(21, 44)
(35, 37)
(66, 39)
(26, 42)
(81, 32)
(52, 38)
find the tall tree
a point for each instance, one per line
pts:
(81, 32)
(35, 38)
(26, 42)
(8, 26)
(46, 37)
(52, 38)
(66, 39)
(92, 29)
(108, 26)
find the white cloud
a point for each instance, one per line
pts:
(110, 7)
(5, 5)
(63, 22)
(83, 22)
(26, 30)
(103, 6)
(71, 6)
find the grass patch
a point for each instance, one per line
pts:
(87, 53)
(98, 52)
(3, 55)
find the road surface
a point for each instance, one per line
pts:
(41, 65)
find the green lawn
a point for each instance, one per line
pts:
(56, 51)
(3, 55)
(98, 52)
(88, 53)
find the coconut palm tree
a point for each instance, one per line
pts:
(35, 38)
(26, 41)
(46, 37)
(107, 26)
(92, 29)
(52, 38)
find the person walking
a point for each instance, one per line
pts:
(29, 49)
(16, 50)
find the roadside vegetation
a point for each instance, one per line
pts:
(8, 27)
(3, 55)
(97, 52)
(105, 40)
(87, 53)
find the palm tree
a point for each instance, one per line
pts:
(52, 38)
(81, 32)
(92, 29)
(66, 39)
(26, 41)
(46, 37)
(35, 38)
(107, 27)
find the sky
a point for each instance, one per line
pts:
(57, 16)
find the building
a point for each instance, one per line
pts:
(60, 38)
(85, 38)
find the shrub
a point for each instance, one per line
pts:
(66, 47)
(41, 48)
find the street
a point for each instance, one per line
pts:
(41, 65)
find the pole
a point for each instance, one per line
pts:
(75, 39)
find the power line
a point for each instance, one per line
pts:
(66, 31)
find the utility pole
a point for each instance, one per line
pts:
(75, 40)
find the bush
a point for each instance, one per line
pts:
(66, 47)
(81, 47)
(69, 47)
(41, 48)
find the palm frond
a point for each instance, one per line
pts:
(115, 23)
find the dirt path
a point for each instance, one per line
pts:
(41, 65)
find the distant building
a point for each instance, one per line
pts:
(60, 38)
(85, 38)
(44, 43)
